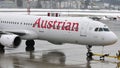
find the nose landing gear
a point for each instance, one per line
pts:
(2, 50)
(89, 53)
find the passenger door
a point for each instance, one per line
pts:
(84, 29)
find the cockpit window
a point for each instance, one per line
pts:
(106, 29)
(96, 29)
(101, 29)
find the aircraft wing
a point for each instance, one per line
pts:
(26, 34)
(20, 33)
(2, 32)
(17, 33)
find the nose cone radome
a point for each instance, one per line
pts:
(112, 38)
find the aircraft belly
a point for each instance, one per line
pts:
(59, 36)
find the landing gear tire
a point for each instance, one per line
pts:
(89, 55)
(30, 45)
(2, 50)
(30, 49)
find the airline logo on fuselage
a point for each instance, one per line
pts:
(56, 25)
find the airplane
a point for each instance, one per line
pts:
(56, 30)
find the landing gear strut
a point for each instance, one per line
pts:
(89, 53)
(30, 45)
(2, 50)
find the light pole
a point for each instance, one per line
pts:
(28, 7)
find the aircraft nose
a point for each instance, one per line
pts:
(112, 38)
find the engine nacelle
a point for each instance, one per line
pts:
(12, 41)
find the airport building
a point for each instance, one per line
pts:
(61, 4)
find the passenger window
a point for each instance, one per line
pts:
(96, 29)
(100, 29)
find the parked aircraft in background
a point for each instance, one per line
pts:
(94, 14)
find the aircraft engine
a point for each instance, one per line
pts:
(12, 41)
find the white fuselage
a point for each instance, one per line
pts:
(58, 30)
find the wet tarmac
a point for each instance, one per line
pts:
(48, 55)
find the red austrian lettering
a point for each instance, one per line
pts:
(75, 26)
(68, 26)
(49, 25)
(37, 23)
(43, 24)
(54, 25)
(58, 26)
(63, 26)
